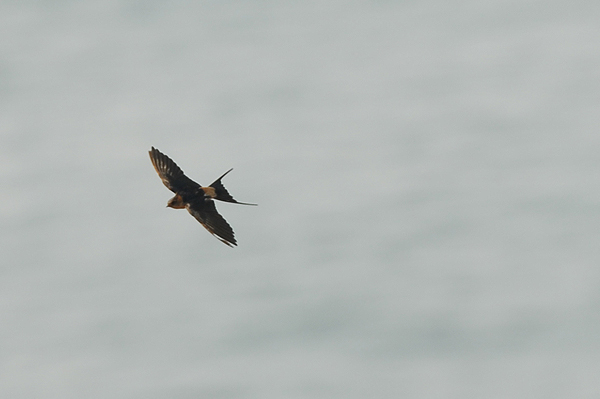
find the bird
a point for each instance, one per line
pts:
(198, 200)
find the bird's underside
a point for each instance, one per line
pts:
(196, 199)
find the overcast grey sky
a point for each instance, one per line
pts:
(427, 180)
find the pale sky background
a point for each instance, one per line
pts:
(427, 179)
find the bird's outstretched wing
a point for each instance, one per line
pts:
(206, 213)
(170, 174)
(221, 192)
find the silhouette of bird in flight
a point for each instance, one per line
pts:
(196, 199)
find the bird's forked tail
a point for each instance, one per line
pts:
(221, 192)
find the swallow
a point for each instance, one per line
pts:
(198, 200)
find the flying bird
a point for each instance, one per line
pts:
(196, 199)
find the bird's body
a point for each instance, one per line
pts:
(196, 199)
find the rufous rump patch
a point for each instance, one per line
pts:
(210, 191)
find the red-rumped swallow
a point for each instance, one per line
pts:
(196, 199)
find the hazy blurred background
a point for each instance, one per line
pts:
(427, 174)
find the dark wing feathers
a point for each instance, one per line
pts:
(206, 213)
(221, 192)
(170, 174)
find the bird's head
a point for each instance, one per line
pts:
(176, 202)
